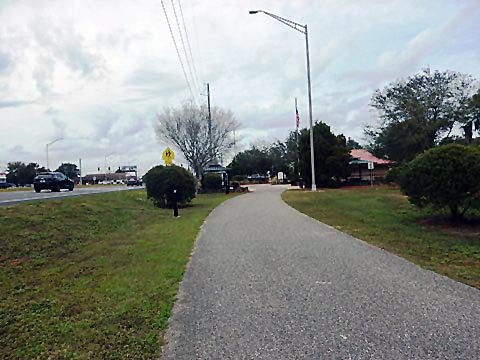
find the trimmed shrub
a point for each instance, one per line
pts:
(212, 181)
(394, 175)
(444, 177)
(239, 178)
(161, 181)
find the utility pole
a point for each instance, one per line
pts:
(234, 145)
(209, 121)
(80, 170)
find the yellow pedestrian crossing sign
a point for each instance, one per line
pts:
(168, 156)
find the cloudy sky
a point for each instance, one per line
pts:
(96, 72)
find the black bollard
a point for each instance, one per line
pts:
(227, 184)
(175, 203)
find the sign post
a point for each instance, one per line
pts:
(371, 167)
(280, 177)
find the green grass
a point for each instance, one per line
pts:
(13, 189)
(92, 277)
(383, 217)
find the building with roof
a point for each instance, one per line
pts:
(215, 167)
(360, 171)
(108, 177)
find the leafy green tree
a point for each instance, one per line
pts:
(252, 161)
(161, 181)
(69, 170)
(13, 170)
(332, 156)
(473, 118)
(352, 144)
(444, 177)
(21, 174)
(416, 113)
(280, 156)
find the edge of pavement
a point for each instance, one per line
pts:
(371, 246)
(168, 335)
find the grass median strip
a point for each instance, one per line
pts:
(93, 276)
(383, 217)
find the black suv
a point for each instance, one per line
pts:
(54, 181)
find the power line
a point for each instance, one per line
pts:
(178, 53)
(195, 84)
(196, 43)
(188, 43)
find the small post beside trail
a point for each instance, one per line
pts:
(175, 203)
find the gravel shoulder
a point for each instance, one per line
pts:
(267, 282)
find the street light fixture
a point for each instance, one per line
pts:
(51, 143)
(303, 29)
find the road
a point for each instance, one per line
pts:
(267, 282)
(8, 198)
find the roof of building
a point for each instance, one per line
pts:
(110, 176)
(364, 155)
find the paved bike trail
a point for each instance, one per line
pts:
(267, 282)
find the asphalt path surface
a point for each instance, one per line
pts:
(8, 198)
(267, 282)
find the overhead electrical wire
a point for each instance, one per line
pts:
(188, 43)
(178, 53)
(187, 59)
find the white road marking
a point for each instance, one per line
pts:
(64, 194)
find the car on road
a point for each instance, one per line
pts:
(6, 185)
(134, 182)
(54, 181)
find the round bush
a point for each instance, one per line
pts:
(444, 177)
(161, 181)
(212, 181)
(394, 175)
(239, 178)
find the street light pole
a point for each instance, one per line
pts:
(304, 30)
(51, 143)
(312, 160)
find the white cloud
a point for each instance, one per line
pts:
(97, 72)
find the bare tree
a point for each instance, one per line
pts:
(187, 127)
